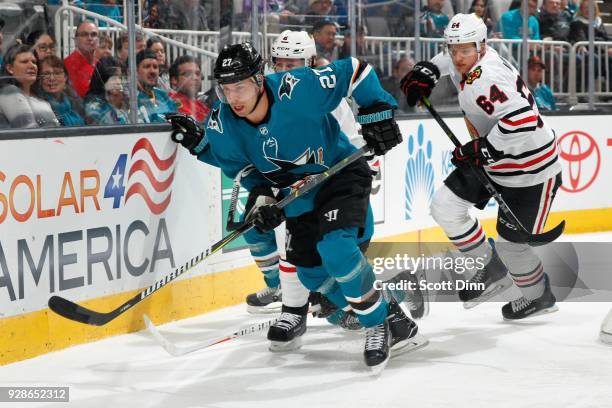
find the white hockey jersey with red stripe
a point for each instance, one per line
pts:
(497, 105)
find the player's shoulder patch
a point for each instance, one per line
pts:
(473, 75)
(214, 121)
(287, 85)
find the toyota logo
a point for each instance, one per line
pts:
(582, 159)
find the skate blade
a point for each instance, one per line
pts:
(268, 309)
(605, 337)
(548, 310)
(284, 346)
(414, 343)
(495, 289)
(418, 341)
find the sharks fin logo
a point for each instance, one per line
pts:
(288, 84)
(214, 122)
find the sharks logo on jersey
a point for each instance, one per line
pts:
(214, 122)
(287, 86)
(287, 172)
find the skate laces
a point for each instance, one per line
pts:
(375, 337)
(479, 277)
(520, 304)
(286, 321)
(266, 292)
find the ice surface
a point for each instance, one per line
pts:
(474, 359)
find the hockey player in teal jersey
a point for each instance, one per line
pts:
(283, 126)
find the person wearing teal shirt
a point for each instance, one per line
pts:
(511, 23)
(545, 100)
(153, 103)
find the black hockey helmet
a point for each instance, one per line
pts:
(237, 62)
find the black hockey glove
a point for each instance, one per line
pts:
(420, 81)
(475, 151)
(187, 131)
(378, 128)
(326, 307)
(261, 209)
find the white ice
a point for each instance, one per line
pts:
(474, 359)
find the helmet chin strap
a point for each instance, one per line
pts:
(259, 95)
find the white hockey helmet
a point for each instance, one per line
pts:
(295, 45)
(465, 28)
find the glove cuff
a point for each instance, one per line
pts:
(378, 112)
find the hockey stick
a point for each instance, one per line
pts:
(177, 351)
(528, 237)
(73, 311)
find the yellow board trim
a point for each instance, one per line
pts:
(40, 332)
(32, 334)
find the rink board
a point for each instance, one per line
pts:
(97, 218)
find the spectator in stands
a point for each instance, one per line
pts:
(153, 103)
(318, 10)
(361, 50)
(554, 25)
(481, 9)
(42, 44)
(121, 47)
(105, 47)
(193, 15)
(392, 83)
(433, 20)
(511, 22)
(107, 8)
(542, 94)
(19, 107)
(156, 45)
(324, 33)
(54, 88)
(106, 102)
(81, 62)
(186, 81)
(579, 29)
(570, 8)
(153, 19)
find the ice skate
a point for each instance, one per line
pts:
(492, 280)
(286, 333)
(267, 300)
(523, 308)
(397, 334)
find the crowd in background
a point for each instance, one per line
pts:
(89, 86)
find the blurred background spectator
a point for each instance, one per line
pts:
(579, 28)
(42, 43)
(19, 107)
(156, 45)
(481, 9)
(81, 62)
(511, 22)
(541, 92)
(554, 25)
(324, 33)
(107, 8)
(392, 83)
(121, 48)
(433, 20)
(361, 51)
(186, 81)
(153, 103)
(106, 102)
(318, 10)
(54, 88)
(105, 47)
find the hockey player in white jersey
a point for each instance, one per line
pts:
(516, 149)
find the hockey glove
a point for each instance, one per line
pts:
(378, 128)
(187, 131)
(475, 151)
(420, 81)
(261, 209)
